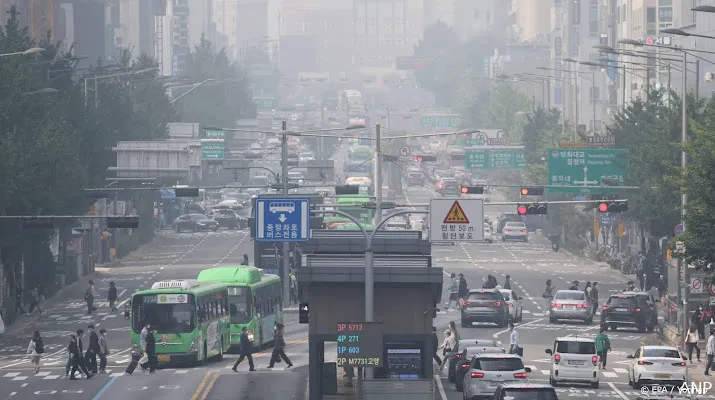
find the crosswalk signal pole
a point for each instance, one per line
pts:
(286, 245)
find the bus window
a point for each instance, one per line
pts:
(165, 317)
(240, 303)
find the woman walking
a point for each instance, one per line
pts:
(691, 342)
(35, 350)
(548, 294)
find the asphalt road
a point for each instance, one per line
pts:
(169, 256)
(530, 265)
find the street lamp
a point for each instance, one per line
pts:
(33, 50)
(194, 87)
(96, 78)
(706, 9)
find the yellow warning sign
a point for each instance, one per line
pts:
(456, 215)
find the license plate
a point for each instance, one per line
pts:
(163, 358)
(569, 307)
(481, 308)
(494, 383)
(622, 309)
(662, 377)
(575, 362)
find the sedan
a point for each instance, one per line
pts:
(514, 303)
(456, 372)
(195, 223)
(515, 230)
(225, 217)
(488, 346)
(570, 304)
(488, 237)
(663, 365)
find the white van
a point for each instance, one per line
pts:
(574, 360)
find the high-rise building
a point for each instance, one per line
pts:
(252, 28)
(437, 10)
(384, 30)
(225, 15)
(474, 18)
(533, 19)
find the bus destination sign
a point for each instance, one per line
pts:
(359, 344)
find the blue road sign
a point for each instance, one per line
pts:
(282, 220)
(679, 229)
(605, 219)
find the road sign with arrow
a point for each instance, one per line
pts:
(587, 168)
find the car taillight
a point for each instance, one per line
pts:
(644, 363)
(477, 375)
(458, 356)
(581, 305)
(594, 360)
(557, 358)
(680, 364)
(523, 230)
(465, 303)
(506, 229)
(607, 308)
(497, 304)
(557, 305)
(520, 375)
(464, 366)
(636, 310)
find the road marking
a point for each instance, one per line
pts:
(104, 388)
(440, 388)
(210, 385)
(496, 335)
(609, 374)
(199, 390)
(618, 392)
(621, 370)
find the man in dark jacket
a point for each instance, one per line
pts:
(246, 350)
(463, 290)
(92, 350)
(279, 347)
(75, 349)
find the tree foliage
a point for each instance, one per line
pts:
(222, 101)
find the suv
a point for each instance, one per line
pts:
(457, 372)
(485, 345)
(415, 178)
(631, 309)
(225, 217)
(525, 391)
(448, 186)
(488, 371)
(574, 359)
(484, 305)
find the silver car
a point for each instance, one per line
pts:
(467, 354)
(570, 304)
(488, 371)
(515, 230)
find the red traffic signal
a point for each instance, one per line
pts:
(532, 191)
(531, 209)
(612, 206)
(471, 190)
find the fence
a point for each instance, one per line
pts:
(422, 389)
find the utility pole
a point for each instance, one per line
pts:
(321, 143)
(377, 181)
(286, 245)
(682, 267)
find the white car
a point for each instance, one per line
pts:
(488, 236)
(515, 230)
(574, 360)
(487, 371)
(514, 303)
(663, 365)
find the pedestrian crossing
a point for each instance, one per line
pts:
(608, 373)
(58, 373)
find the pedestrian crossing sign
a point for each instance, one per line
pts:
(456, 215)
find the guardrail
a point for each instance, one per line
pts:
(377, 389)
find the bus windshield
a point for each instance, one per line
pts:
(170, 318)
(240, 304)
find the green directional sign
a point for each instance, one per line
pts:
(587, 168)
(213, 150)
(215, 134)
(496, 159)
(440, 121)
(263, 103)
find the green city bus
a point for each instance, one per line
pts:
(191, 320)
(353, 205)
(255, 300)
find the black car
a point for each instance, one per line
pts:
(225, 217)
(415, 178)
(448, 187)
(630, 309)
(485, 305)
(195, 223)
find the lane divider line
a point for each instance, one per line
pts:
(104, 388)
(200, 389)
(440, 387)
(210, 385)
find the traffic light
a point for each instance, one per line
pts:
(472, 190)
(612, 206)
(186, 192)
(122, 222)
(532, 191)
(531, 209)
(426, 158)
(381, 117)
(347, 189)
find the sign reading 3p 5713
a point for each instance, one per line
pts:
(456, 220)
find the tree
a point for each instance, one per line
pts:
(218, 103)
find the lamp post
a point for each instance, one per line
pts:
(41, 91)
(96, 86)
(193, 87)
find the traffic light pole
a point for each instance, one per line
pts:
(286, 245)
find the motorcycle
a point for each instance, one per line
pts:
(554, 242)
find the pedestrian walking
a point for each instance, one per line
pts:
(513, 339)
(507, 282)
(691, 342)
(293, 288)
(150, 352)
(548, 294)
(662, 289)
(89, 296)
(70, 356)
(463, 291)
(603, 346)
(244, 261)
(92, 350)
(35, 301)
(35, 349)
(103, 351)
(453, 290)
(455, 334)
(594, 297)
(112, 296)
(710, 352)
(75, 351)
(246, 350)
(574, 285)
(279, 347)
(19, 300)
(448, 345)
(435, 346)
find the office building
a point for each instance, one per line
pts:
(384, 30)
(533, 21)
(252, 30)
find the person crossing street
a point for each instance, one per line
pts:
(279, 348)
(603, 346)
(246, 350)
